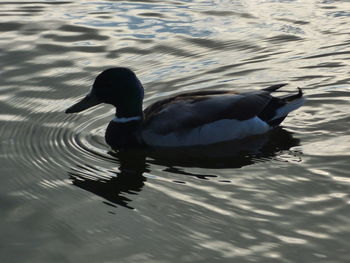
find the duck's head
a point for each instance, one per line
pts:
(117, 86)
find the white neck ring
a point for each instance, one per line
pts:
(125, 120)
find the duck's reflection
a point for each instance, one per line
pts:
(128, 180)
(134, 163)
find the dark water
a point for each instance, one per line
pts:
(65, 197)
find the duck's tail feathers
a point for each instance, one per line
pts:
(292, 103)
(275, 87)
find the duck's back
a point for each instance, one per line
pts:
(199, 118)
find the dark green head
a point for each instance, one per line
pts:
(117, 86)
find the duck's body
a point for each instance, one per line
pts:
(195, 118)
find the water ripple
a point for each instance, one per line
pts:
(261, 200)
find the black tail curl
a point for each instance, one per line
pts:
(293, 97)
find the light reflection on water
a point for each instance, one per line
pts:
(65, 196)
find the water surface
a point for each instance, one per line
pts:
(66, 197)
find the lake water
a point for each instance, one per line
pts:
(66, 197)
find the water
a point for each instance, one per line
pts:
(65, 197)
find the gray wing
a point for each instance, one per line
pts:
(189, 111)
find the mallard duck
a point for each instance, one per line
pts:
(188, 119)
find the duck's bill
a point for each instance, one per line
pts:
(87, 102)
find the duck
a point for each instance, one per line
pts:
(192, 118)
